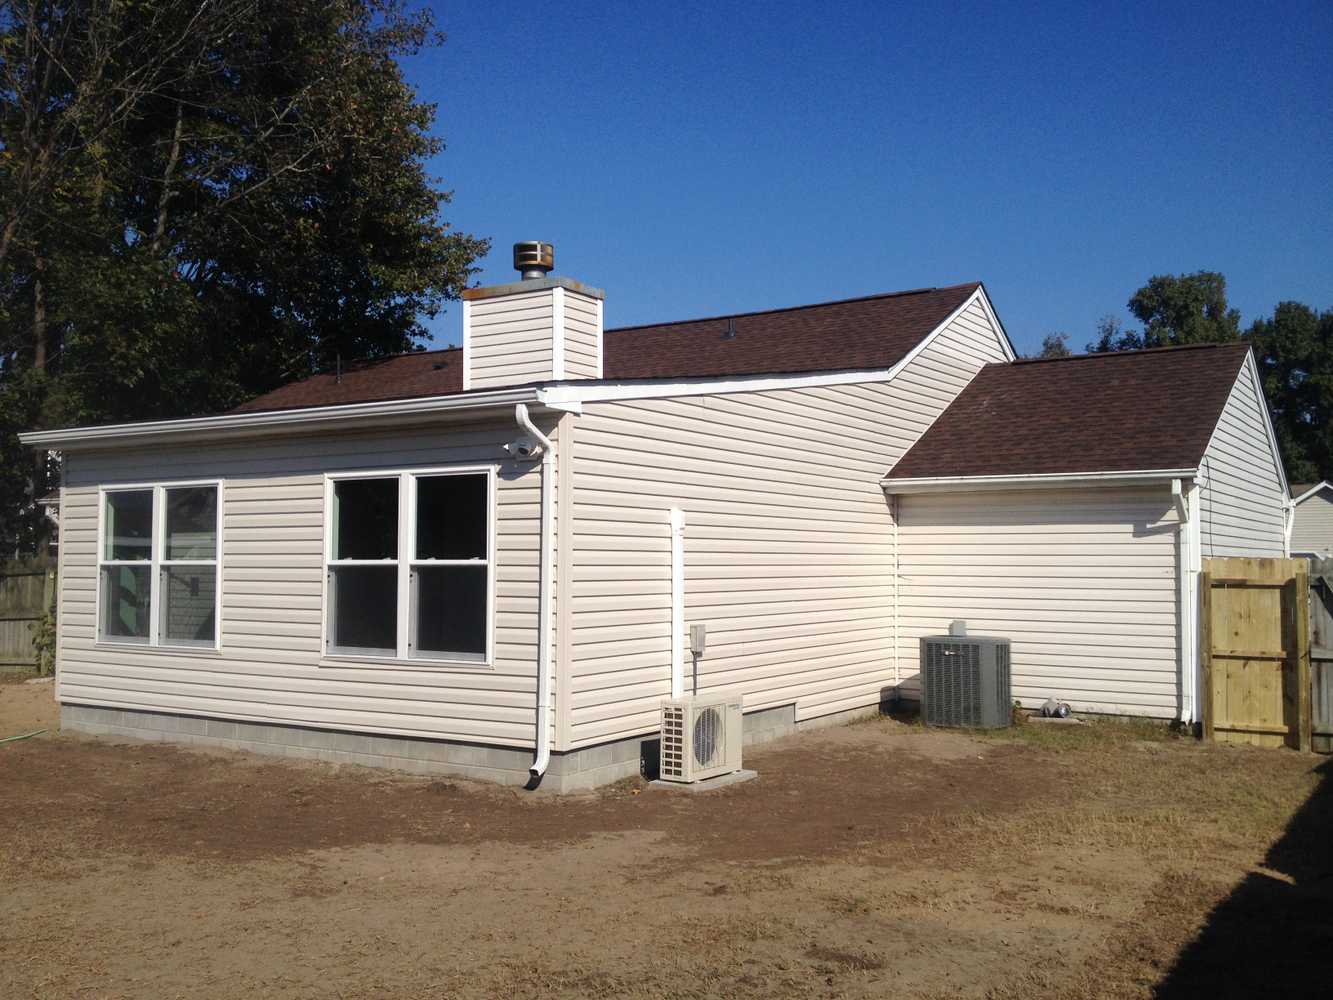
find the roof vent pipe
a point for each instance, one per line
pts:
(533, 258)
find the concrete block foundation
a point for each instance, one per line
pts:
(571, 771)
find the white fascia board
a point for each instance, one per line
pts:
(973, 484)
(264, 422)
(1006, 344)
(1312, 491)
(583, 392)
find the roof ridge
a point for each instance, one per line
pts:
(798, 308)
(1132, 354)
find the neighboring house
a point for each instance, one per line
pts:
(486, 560)
(1312, 519)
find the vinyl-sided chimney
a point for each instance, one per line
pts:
(542, 328)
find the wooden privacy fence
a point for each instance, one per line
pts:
(1321, 665)
(26, 594)
(1255, 651)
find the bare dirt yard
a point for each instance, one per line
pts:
(873, 860)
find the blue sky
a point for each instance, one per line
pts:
(704, 158)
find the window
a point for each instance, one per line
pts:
(410, 565)
(158, 565)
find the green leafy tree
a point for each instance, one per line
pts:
(1294, 350)
(1054, 345)
(201, 199)
(1174, 310)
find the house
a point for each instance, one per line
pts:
(1312, 519)
(486, 560)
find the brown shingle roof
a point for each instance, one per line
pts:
(1123, 412)
(873, 332)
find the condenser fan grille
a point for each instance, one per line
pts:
(707, 736)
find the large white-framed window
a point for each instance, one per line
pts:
(409, 558)
(159, 565)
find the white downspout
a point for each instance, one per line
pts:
(543, 752)
(895, 507)
(1288, 522)
(1183, 496)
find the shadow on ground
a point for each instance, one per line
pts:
(1273, 935)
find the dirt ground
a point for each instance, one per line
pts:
(873, 860)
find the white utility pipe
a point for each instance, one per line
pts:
(543, 757)
(677, 602)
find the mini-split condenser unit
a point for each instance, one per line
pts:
(965, 681)
(701, 737)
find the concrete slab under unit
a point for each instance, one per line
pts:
(707, 785)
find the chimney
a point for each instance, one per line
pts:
(541, 328)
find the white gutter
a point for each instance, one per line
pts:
(941, 484)
(543, 750)
(261, 422)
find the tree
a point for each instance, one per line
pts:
(1111, 336)
(201, 199)
(1294, 351)
(1174, 310)
(1054, 345)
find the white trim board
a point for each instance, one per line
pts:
(263, 422)
(965, 484)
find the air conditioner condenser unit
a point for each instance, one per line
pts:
(701, 737)
(965, 681)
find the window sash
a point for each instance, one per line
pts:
(406, 566)
(156, 563)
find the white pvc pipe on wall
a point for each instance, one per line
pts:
(543, 749)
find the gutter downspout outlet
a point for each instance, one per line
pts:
(543, 750)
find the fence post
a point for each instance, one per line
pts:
(1206, 652)
(1302, 651)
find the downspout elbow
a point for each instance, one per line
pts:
(542, 757)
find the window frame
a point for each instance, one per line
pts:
(156, 563)
(405, 654)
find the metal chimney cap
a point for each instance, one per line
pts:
(533, 258)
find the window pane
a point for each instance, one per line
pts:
(363, 608)
(192, 522)
(450, 609)
(365, 519)
(189, 605)
(129, 525)
(126, 602)
(451, 517)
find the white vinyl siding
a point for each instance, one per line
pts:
(270, 667)
(1312, 530)
(1083, 581)
(582, 336)
(788, 539)
(1242, 496)
(509, 340)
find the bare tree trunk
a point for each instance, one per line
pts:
(39, 360)
(164, 200)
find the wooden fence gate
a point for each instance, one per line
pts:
(1255, 651)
